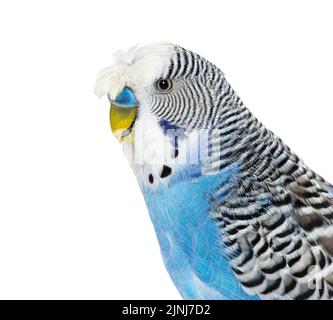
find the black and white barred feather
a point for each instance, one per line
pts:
(277, 216)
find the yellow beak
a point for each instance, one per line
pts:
(121, 121)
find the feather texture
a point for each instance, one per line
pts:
(247, 219)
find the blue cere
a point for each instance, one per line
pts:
(126, 98)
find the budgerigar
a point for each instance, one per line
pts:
(237, 214)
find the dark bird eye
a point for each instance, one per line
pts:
(163, 85)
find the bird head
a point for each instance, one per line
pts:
(161, 97)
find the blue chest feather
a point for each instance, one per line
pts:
(190, 241)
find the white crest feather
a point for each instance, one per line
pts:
(138, 66)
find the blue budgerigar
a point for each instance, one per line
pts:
(237, 214)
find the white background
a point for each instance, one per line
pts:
(73, 223)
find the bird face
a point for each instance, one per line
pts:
(162, 97)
